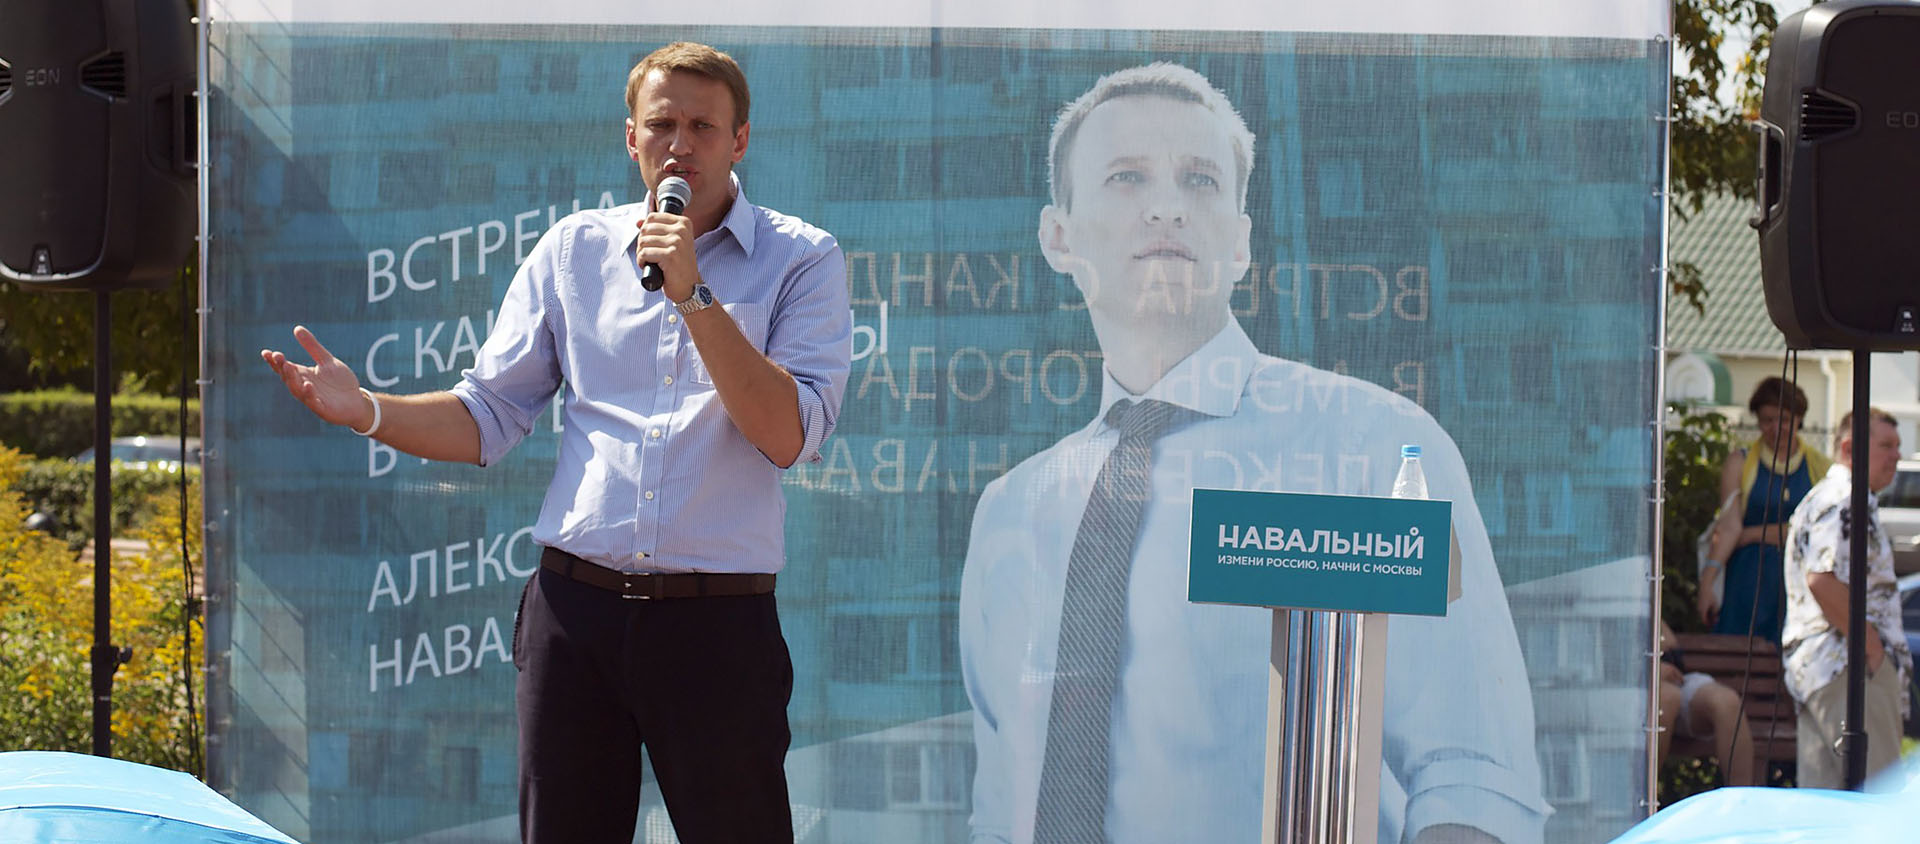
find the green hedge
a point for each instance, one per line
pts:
(59, 423)
(63, 490)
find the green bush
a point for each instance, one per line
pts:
(46, 633)
(1697, 442)
(1695, 448)
(59, 423)
(63, 490)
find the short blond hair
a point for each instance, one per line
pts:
(1843, 434)
(1159, 79)
(696, 58)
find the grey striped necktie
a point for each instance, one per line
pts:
(1074, 778)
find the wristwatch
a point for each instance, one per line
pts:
(701, 300)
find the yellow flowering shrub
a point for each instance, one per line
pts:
(46, 634)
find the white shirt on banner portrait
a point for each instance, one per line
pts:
(1189, 721)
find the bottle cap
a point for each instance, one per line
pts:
(1409, 451)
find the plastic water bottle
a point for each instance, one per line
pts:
(1411, 482)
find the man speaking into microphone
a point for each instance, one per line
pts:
(671, 198)
(651, 620)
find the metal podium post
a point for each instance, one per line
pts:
(1324, 688)
(1331, 568)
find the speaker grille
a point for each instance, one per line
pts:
(106, 75)
(1822, 116)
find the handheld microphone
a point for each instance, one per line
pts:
(672, 197)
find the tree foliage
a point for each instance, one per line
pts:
(46, 339)
(1712, 109)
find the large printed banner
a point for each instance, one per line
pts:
(1316, 242)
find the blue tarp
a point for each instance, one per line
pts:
(1888, 812)
(68, 797)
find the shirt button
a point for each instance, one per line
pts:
(640, 556)
(672, 318)
(655, 433)
(649, 495)
(669, 379)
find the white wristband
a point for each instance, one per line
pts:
(376, 416)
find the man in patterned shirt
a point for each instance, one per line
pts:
(1819, 538)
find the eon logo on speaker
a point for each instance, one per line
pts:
(40, 77)
(1903, 120)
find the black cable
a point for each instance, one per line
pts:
(1773, 500)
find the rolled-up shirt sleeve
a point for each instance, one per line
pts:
(811, 337)
(1476, 791)
(517, 370)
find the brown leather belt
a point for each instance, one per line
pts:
(647, 586)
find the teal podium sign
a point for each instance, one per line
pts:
(1320, 552)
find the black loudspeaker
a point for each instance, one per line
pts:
(97, 137)
(1839, 177)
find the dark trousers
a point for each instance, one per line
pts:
(703, 683)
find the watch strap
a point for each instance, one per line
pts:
(700, 300)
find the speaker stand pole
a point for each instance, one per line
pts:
(106, 657)
(1853, 733)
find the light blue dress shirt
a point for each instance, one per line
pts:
(652, 475)
(1189, 719)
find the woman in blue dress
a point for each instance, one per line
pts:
(1760, 485)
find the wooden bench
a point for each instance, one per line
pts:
(1769, 708)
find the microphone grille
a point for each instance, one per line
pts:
(677, 188)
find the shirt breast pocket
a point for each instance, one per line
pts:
(752, 322)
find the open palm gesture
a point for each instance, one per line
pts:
(328, 387)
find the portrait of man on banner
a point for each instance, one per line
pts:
(1106, 707)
